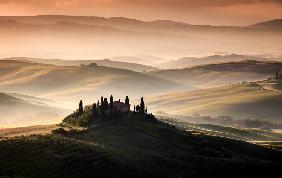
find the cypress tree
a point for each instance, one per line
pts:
(80, 109)
(137, 108)
(94, 109)
(102, 107)
(127, 100)
(111, 103)
(98, 107)
(105, 103)
(102, 100)
(142, 105)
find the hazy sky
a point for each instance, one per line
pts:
(215, 12)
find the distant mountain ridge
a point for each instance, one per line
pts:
(187, 62)
(277, 23)
(86, 37)
(94, 20)
(105, 62)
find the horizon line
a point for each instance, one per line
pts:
(141, 20)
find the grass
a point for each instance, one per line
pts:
(251, 135)
(54, 156)
(240, 101)
(26, 131)
(133, 147)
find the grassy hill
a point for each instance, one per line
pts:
(273, 24)
(240, 101)
(72, 83)
(24, 111)
(106, 62)
(188, 62)
(27, 131)
(245, 134)
(221, 73)
(271, 84)
(134, 147)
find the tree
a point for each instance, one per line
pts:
(105, 103)
(137, 108)
(80, 109)
(127, 100)
(102, 107)
(94, 109)
(111, 104)
(102, 100)
(142, 105)
(277, 75)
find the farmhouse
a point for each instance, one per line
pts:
(122, 107)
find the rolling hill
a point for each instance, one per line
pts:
(272, 24)
(239, 101)
(188, 62)
(18, 110)
(72, 83)
(106, 62)
(221, 73)
(27, 131)
(140, 58)
(244, 134)
(134, 147)
(78, 37)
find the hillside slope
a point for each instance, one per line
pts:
(188, 62)
(240, 101)
(106, 62)
(18, 111)
(134, 147)
(221, 73)
(275, 24)
(72, 83)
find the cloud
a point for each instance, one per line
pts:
(192, 11)
(185, 3)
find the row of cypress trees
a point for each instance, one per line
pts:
(101, 108)
(85, 116)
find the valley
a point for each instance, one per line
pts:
(140, 88)
(240, 90)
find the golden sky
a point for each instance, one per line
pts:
(214, 12)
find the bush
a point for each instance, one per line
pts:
(79, 120)
(60, 131)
